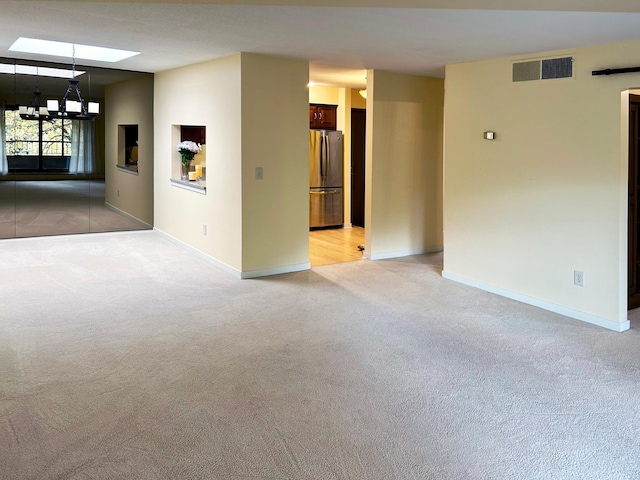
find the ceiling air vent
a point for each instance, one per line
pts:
(543, 69)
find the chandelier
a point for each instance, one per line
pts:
(71, 109)
(36, 109)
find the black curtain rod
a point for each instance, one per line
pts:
(615, 71)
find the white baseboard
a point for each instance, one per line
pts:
(401, 253)
(78, 235)
(233, 271)
(536, 302)
(276, 270)
(128, 215)
(207, 258)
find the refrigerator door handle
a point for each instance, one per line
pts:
(322, 156)
(326, 155)
(323, 192)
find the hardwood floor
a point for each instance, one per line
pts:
(336, 245)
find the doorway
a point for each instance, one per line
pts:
(358, 143)
(633, 258)
(340, 245)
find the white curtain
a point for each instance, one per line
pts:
(4, 164)
(83, 157)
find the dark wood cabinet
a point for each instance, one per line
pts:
(322, 116)
(194, 133)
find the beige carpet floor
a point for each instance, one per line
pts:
(123, 356)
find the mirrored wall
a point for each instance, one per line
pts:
(52, 171)
(31, 208)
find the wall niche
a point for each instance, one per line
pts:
(198, 166)
(128, 147)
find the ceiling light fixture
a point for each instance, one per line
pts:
(73, 109)
(36, 109)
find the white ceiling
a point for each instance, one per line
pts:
(340, 42)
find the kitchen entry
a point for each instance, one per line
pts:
(329, 242)
(326, 208)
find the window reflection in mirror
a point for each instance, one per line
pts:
(36, 145)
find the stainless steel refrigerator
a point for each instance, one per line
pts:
(325, 179)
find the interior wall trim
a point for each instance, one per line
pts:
(276, 270)
(536, 302)
(128, 215)
(402, 253)
(233, 271)
(37, 238)
(207, 258)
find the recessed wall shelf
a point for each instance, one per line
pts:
(192, 186)
(128, 170)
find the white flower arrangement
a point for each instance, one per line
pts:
(189, 149)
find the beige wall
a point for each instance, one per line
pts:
(357, 100)
(548, 196)
(203, 94)
(344, 125)
(324, 95)
(275, 210)
(130, 103)
(403, 164)
(255, 109)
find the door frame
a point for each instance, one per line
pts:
(633, 184)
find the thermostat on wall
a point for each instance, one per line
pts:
(489, 135)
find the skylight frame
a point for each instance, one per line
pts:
(17, 69)
(66, 49)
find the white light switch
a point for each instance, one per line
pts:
(258, 173)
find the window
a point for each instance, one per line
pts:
(37, 145)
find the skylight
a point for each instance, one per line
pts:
(64, 49)
(10, 68)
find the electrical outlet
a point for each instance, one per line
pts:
(259, 173)
(578, 278)
(204, 228)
